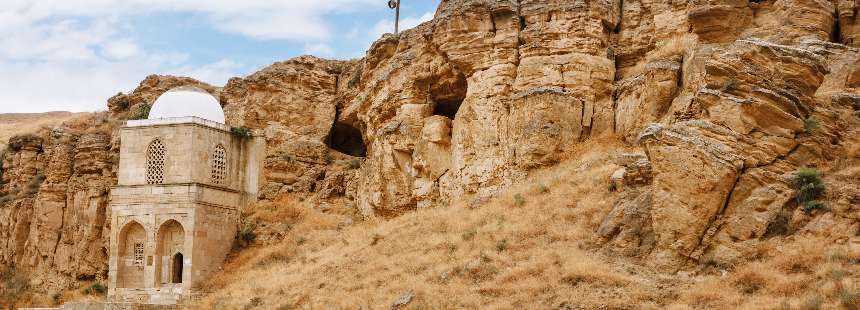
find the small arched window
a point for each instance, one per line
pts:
(155, 162)
(219, 165)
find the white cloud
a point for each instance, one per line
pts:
(73, 55)
(319, 49)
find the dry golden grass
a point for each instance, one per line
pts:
(19, 123)
(532, 247)
(679, 45)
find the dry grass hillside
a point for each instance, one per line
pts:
(533, 247)
(19, 123)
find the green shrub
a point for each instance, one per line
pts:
(242, 132)
(543, 189)
(810, 125)
(809, 186)
(519, 200)
(356, 76)
(96, 289)
(255, 302)
(354, 164)
(612, 187)
(245, 236)
(810, 206)
(142, 112)
(502, 245)
(56, 298)
(469, 234)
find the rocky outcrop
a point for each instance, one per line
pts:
(727, 98)
(56, 183)
(150, 89)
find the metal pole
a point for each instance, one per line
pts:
(397, 19)
(395, 4)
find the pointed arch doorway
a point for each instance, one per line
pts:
(169, 253)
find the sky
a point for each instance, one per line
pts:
(71, 55)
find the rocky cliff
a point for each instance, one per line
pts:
(727, 99)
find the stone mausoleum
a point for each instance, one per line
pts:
(183, 179)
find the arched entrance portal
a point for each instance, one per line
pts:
(131, 248)
(168, 253)
(177, 268)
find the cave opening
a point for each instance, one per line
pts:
(448, 94)
(347, 139)
(447, 108)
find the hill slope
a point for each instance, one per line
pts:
(19, 123)
(534, 246)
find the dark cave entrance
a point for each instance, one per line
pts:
(447, 95)
(447, 108)
(347, 139)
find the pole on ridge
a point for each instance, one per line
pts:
(395, 5)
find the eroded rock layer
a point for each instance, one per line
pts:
(723, 92)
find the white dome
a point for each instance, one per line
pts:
(187, 101)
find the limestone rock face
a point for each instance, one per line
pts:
(150, 89)
(727, 98)
(57, 184)
(849, 22)
(293, 104)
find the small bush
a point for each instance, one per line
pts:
(354, 164)
(519, 200)
(255, 302)
(142, 112)
(56, 298)
(356, 76)
(810, 125)
(245, 236)
(810, 206)
(96, 289)
(502, 245)
(543, 189)
(612, 187)
(808, 184)
(469, 234)
(242, 132)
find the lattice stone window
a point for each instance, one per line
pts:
(155, 163)
(219, 165)
(138, 254)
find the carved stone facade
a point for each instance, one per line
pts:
(182, 183)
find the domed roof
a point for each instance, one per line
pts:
(187, 101)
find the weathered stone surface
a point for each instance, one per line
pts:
(849, 22)
(149, 90)
(467, 104)
(628, 227)
(646, 97)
